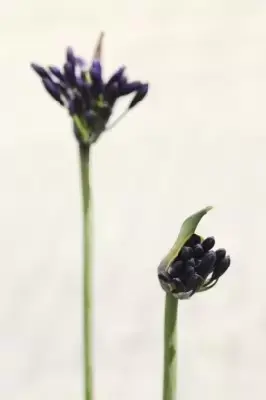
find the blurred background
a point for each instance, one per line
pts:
(198, 139)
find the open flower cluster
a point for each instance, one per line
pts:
(197, 268)
(82, 91)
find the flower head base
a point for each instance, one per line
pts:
(197, 268)
(83, 92)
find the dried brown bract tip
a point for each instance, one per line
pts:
(97, 55)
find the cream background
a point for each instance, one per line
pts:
(198, 139)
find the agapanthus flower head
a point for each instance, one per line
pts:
(196, 268)
(89, 99)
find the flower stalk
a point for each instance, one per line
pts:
(170, 347)
(84, 155)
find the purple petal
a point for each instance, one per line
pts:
(129, 88)
(75, 106)
(56, 72)
(40, 70)
(69, 73)
(96, 68)
(116, 77)
(70, 56)
(111, 93)
(85, 91)
(141, 93)
(53, 89)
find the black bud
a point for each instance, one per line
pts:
(208, 243)
(206, 265)
(221, 267)
(193, 240)
(194, 283)
(220, 254)
(191, 263)
(176, 267)
(198, 251)
(185, 253)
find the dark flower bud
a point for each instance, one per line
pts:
(40, 71)
(96, 77)
(53, 89)
(69, 73)
(220, 254)
(70, 57)
(193, 240)
(111, 93)
(221, 267)
(190, 263)
(185, 253)
(116, 77)
(96, 69)
(129, 88)
(194, 283)
(56, 72)
(75, 106)
(208, 243)
(85, 90)
(141, 93)
(176, 268)
(198, 251)
(205, 266)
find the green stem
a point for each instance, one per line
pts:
(84, 153)
(170, 347)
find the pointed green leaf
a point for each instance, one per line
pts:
(187, 229)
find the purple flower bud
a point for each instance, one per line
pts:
(116, 77)
(75, 106)
(129, 88)
(111, 93)
(53, 89)
(97, 83)
(70, 57)
(56, 72)
(84, 89)
(141, 93)
(69, 73)
(40, 70)
(96, 68)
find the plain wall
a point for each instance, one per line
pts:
(198, 139)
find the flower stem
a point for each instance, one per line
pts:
(84, 153)
(170, 347)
